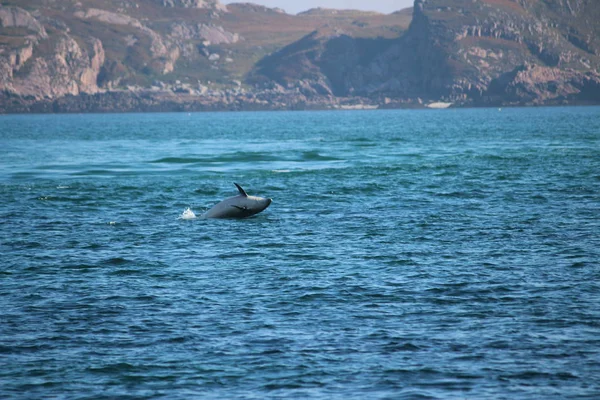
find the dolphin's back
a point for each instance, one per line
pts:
(224, 209)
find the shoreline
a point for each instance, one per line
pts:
(147, 102)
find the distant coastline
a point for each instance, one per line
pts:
(148, 101)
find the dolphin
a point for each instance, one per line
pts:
(240, 206)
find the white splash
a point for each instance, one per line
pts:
(187, 214)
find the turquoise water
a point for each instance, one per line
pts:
(432, 254)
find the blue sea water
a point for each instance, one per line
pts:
(408, 254)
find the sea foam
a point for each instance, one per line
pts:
(187, 214)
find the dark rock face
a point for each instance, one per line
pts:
(465, 52)
(322, 65)
(468, 45)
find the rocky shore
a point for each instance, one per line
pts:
(527, 86)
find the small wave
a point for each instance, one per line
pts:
(363, 142)
(116, 261)
(81, 267)
(187, 214)
(359, 139)
(316, 156)
(178, 160)
(112, 368)
(24, 244)
(94, 172)
(239, 156)
(125, 272)
(394, 346)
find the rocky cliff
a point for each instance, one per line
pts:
(468, 52)
(120, 55)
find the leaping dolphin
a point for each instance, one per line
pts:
(240, 206)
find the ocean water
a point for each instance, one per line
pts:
(407, 254)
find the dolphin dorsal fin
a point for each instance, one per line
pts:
(242, 191)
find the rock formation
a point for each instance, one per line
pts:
(214, 4)
(67, 69)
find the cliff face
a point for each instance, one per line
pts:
(207, 4)
(68, 69)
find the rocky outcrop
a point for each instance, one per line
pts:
(109, 17)
(210, 34)
(89, 74)
(15, 17)
(12, 59)
(257, 8)
(211, 4)
(331, 12)
(536, 85)
(70, 70)
(164, 54)
(66, 69)
(16, 58)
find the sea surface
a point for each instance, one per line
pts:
(407, 254)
